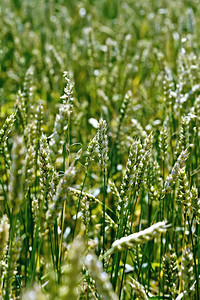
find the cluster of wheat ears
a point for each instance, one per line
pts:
(99, 188)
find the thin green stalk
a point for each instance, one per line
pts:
(116, 261)
(194, 257)
(64, 155)
(36, 169)
(61, 240)
(31, 221)
(161, 245)
(123, 273)
(37, 256)
(26, 241)
(158, 207)
(5, 199)
(88, 291)
(160, 266)
(19, 283)
(121, 231)
(35, 242)
(56, 247)
(126, 253)
(198, 248)
(13, 222)
(79, 202)
(114, 150)
(104, 210)
(52, 251)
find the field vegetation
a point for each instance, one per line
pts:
(99, 149)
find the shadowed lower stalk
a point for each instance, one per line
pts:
(198, 248)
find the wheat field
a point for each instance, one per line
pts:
(99, 149)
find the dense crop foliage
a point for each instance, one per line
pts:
(99, 183)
